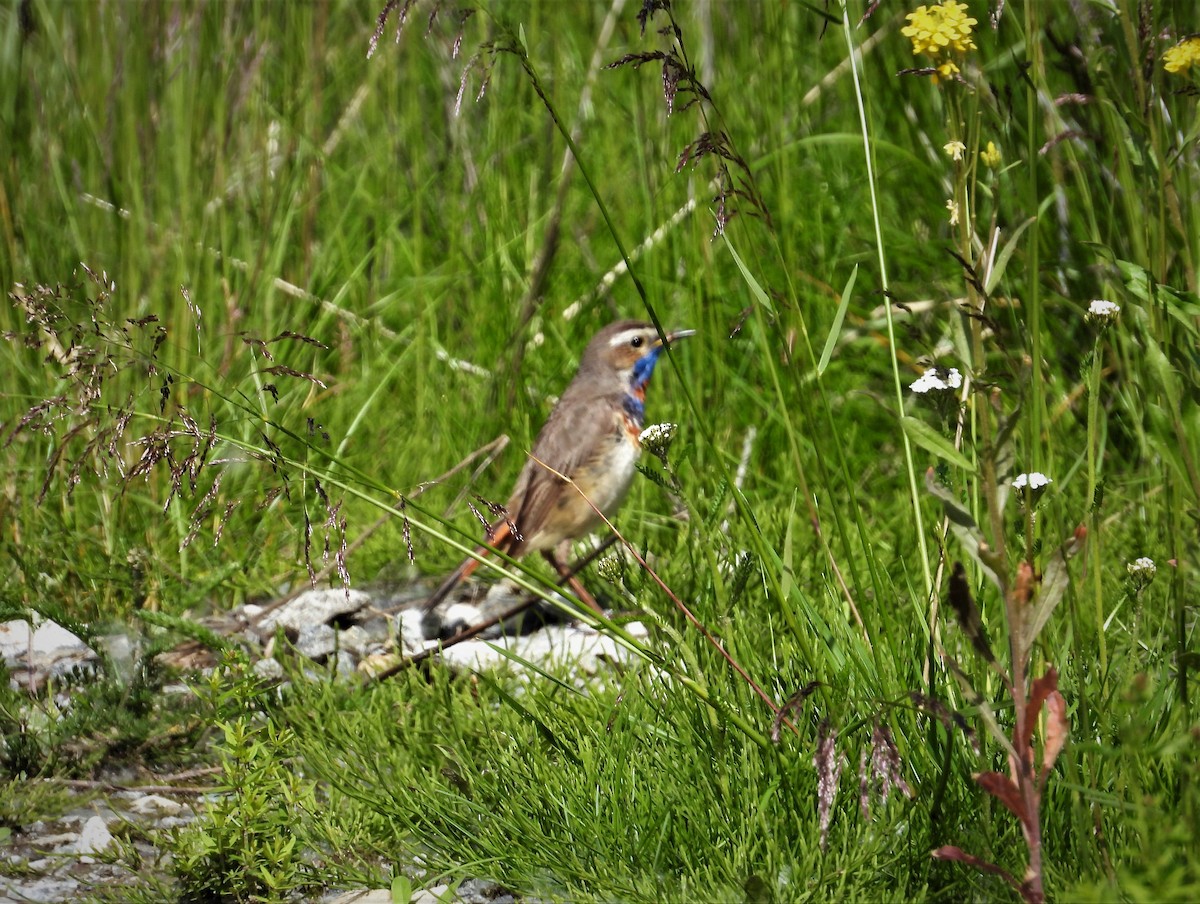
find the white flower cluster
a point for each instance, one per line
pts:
(1142, 570)
(931, 380)
(656, 439)
(1035, 481)
(1104, 310)
(610, 568)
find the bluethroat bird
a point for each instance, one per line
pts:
(592, 438)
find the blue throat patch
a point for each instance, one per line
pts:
(635, 409)
(643, 368)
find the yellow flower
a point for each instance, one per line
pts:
(955, 150)
(990, 156)
(946, 70)
(937, 30)
(1180, 58)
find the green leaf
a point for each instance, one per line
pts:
(1160, 365)
(932, 441)
(1002, 259)
(1055, 579)
(755, 289)
(402, 890)
(1137, 280)
(787, 574)
(836, 329)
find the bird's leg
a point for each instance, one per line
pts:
(564, 571)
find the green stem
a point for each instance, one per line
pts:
(910, 467)
(1093, 465)
(1033, 291)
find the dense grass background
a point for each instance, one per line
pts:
(252, 155)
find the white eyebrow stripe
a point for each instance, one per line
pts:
(624, 337)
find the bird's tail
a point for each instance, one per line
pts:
(501, 539)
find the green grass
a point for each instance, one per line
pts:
(251, 154)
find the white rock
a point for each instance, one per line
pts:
(52, 642)
(59, 840)
(432, 895)
(95, 837)
(412, 630)
(578, 648)
(48, 645)
(365, 896)
(314, 607)
(14, 641)
(473, 654)
(155, 805)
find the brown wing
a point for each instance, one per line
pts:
(575, 430)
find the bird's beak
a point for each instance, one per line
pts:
(679, 334)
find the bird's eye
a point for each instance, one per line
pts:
(636, 341)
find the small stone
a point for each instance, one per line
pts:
(380, 662)
(354, 640)
(268, 669)
(316, 642)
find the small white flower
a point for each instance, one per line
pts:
(931, 380)
(927, 382)
(955, 150)
(1142, 571)
(1035, 481)
(1103, 312)
(952, 206)
(656, 439)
